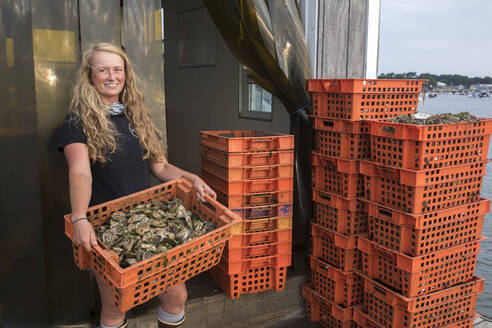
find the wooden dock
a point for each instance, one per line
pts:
(482, 322)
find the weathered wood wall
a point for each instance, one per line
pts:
(342, 36)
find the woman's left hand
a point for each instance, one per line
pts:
(164, 171)
(202, 188)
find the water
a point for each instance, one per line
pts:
(480, 107)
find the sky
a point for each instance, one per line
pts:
(436, 36)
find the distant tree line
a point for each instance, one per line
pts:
(449, 79)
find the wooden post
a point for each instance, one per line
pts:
(347, 38)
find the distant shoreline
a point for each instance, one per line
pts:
(434, 80)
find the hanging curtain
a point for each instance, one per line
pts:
(267, 38)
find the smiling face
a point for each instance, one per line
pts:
(108, 75)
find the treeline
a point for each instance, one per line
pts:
(449, 79)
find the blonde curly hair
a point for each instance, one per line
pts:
(86, 105)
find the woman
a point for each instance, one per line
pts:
(110, 145)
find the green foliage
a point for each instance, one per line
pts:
(449, 79)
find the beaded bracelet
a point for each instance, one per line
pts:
(77, 220)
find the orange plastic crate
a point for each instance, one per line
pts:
(414, 276)
(260, 238)
(264, 211)
(246, 140)
(247, 186)
(102, 260)
(336, 176)
(342, 145)
(423, 191)
(140, 292)
(416, 235)
(365, 85)
(358, 99)
(341, 138)
(423, 177)
(422, 147)
(248, 158)
(255, 199)
(248, 172)
(261, 225)
(343, 215)
(319, 309)
(81, 257)
(243, 265)
(335, 249)
(364, 321)
(444, 308)
(254, 251)
(343, 288)
(347, 166)
(252, 281)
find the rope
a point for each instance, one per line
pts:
(303, 107)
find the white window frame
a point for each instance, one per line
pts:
(244, 94)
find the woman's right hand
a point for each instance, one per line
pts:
(84, 235)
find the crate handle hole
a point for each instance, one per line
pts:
(328, 123)
(209, 206)
(385, 212)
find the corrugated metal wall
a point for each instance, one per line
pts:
(22, 270)
(40, 49)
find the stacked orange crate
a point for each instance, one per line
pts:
(330, 314)
(252, 174)
(422, 185)
(340, 108)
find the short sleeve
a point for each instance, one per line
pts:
(71, 132)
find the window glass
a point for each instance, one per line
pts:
(254, 101)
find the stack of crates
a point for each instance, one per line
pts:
(252, 174)
(422, 191)
(341, 108)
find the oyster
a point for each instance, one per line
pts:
(117, 229)
(157, 214)
(129, 261)
(183, 234)
(198, 226)
(148, 247)
(109, 238)
(151, 238)
(445, 118)
(118, 251)
(142, 227)
(161, 249)
(146, 230)
(189, 222)
(128, 242)
(118, 216)
(147, 255)
(137, 218)
(157, 223)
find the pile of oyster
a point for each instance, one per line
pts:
(446, 118)
(149, 229)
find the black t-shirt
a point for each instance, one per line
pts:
(124, 173)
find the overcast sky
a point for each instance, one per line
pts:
(436, 36)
